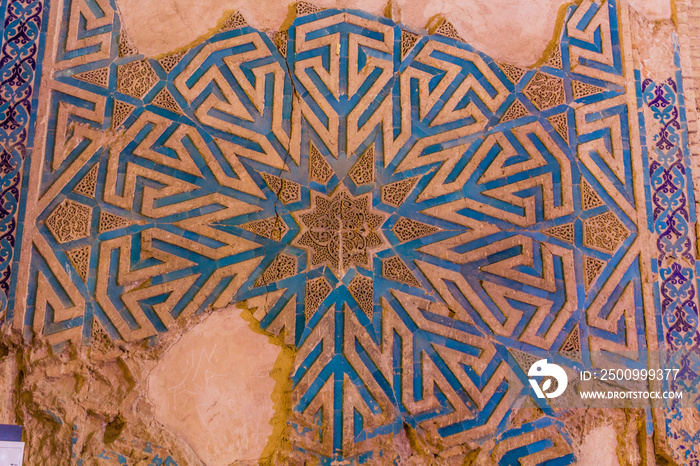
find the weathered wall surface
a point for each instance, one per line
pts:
(197, 398)
(523, 28)
(214, 389)
(348, 232)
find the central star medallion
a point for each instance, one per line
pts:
(340, 231)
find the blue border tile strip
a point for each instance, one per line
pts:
(673, 214)
(22, 38)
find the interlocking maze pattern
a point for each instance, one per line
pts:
(503, 204)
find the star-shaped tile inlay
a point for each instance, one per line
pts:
(340, 231)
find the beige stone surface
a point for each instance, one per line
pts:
(599, 447)
(653, 10)
(8, 370)
(607, 436)
(213, 389)
(515, 31)
(655, 59)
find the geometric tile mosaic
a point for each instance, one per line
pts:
(419, 219)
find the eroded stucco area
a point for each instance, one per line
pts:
(214, 389)
(515, 31)
(344, 232)
(204, 395)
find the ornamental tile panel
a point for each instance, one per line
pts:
(419, 223)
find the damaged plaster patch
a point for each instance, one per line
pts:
(653, 10)
(607, 437)
(656, 58)
(173, 24)
(84, 404)
(213, 389)
(598, 447)
(530, 24)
